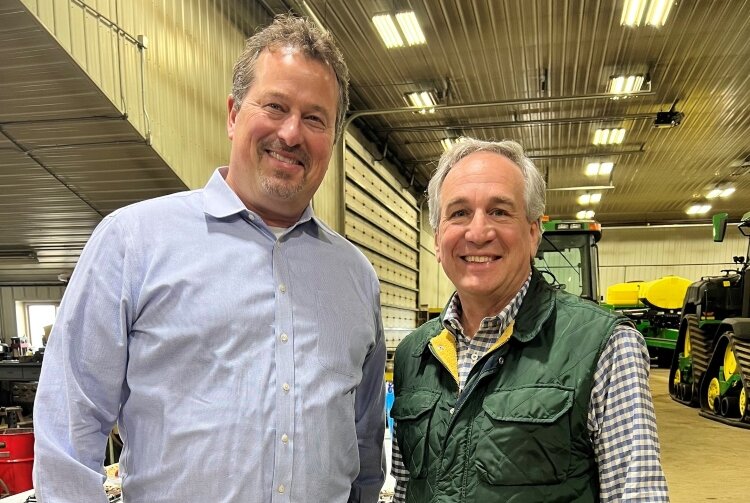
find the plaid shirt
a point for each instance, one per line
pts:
(621, 419)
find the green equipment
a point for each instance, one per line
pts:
(568, 256)
(654, 306)
(711, 365)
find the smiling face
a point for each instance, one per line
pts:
(483, 241)
(282, 135)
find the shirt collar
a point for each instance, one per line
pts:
(220, 201)
(452, 314)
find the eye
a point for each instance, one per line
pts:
(274, 107)
(458, 214)
(498, 212)
(316, 121)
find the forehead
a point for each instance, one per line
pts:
(486, 172)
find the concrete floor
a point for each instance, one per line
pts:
(703, 460)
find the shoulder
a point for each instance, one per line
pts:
(568, 300)
(346, 251)
(419, 337)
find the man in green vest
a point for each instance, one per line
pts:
(518, 392)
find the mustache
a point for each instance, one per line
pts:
(280, 146)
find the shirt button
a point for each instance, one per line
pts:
(284, 337)
(285, 386)
(282, 288)
(284, 438)
(282, 489)
(474, 357)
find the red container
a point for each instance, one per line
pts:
(17, 459)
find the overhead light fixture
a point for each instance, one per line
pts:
(620, 85)
(609, 136)
(392, 37)
(585, 215)
(409, 24)
(721, 192)
(387, 30)
(698, 209)
(425, 100)
(599, 168)
(649, 12)
(586, 199)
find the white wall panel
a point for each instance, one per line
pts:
(650, 253)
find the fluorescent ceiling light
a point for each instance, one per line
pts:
(599, 168)
(698, 209)
(658, 11)
(625, 84)
(410, 27)
(656, 15)
(423, 100)
(720, 192)
(585, 215)
(446, 143)
(586, 199)
(387, 30)
(609, 136)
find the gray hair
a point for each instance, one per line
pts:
(297, 33)
(534, 184)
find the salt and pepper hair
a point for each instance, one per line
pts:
(288, 31)
(534, 184)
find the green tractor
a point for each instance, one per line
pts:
(711, 364)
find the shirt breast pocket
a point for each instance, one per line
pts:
(346, 331)
(412, 413)
(525, 436)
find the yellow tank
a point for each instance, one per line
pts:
(624, 294)
(664, 293)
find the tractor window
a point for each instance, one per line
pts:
(565, 261)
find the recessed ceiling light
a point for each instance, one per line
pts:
(599, 168)
(720, 192)
(609, 136)
(387, 30)
(624, 84)
(698, 209)
(410, 27)
(656, 15)
(423, 100)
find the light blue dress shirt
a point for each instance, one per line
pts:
(239, 367)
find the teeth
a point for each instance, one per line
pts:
(473, 258)
(283, 159)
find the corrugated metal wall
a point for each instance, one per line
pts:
(8, 297)
(382, 220)
(434, 286)
(174, 91)
(647, 254)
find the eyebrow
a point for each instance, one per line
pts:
(497, 200)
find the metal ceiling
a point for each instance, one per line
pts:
(67, 155)
(527, 54)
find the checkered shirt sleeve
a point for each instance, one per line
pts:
(621, 422)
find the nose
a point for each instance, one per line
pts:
(290, 130)
(480, 230)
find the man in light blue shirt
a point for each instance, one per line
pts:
(234, 338)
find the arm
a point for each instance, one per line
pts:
(622, 423)
(78, 396)
(369, 409)
(399, 471)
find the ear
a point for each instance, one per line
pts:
(437, 244)
(231, 116)
(534, 237)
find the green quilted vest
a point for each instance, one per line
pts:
(518, 432)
